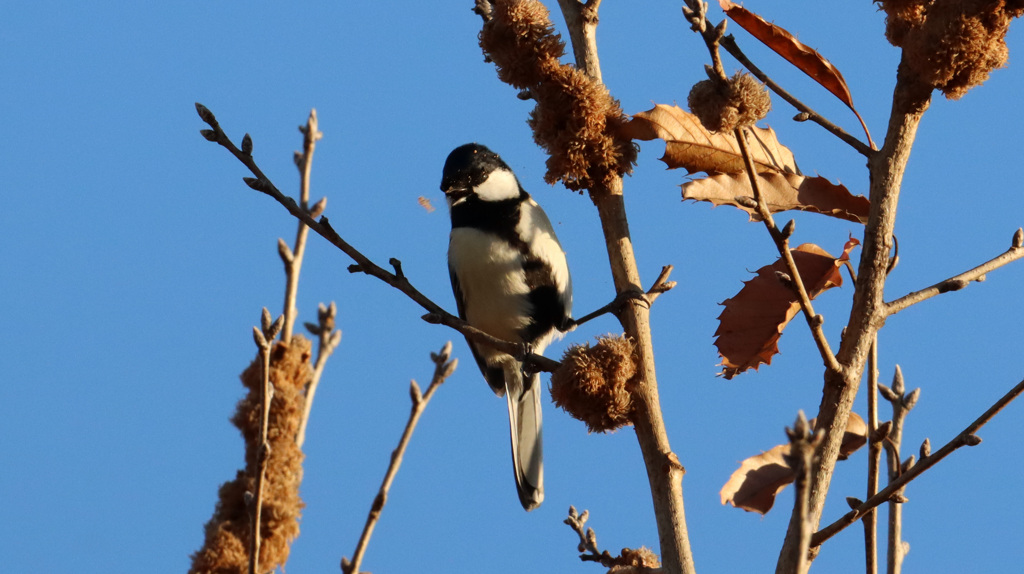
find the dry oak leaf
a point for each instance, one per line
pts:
(752, 321)
(689, 145)
(806, 59)
(781, 192)
(760, 478)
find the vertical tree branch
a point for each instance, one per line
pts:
(874, 458)
(910, 100)
(293, 258)
(664, 472)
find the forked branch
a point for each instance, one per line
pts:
(443, 368)
(967, 437)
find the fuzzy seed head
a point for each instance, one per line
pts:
(595, 384)
(737, 103)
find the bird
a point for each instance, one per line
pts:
(511, 280)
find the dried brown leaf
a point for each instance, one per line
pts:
(752, 321)
(689, 145)
(759, 479)
(856, 435)
(806, 59)
(781, 191)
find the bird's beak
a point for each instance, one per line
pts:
(455, 193)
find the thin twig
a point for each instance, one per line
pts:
(263, 337)
(902, 403)
(814, 321)
(435, 314)
(966, 438)
(443, 368)
(328, 339)
(874, 460)
(661, 285)
(292, 258)
(730, 45)
(801, 452)
(590, 552)
(958, 282)
(714, 36)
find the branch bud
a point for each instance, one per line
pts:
(911, 399)
(1018, 239)
(318, 208)
(853, 502)
(972, 440)
(205, 114)
(210, 135)
(926, 449)
(415, 393)
(897, 381)
(745, 200)
(802, 117)
(247, 144)
(788, 230)
(284, 251)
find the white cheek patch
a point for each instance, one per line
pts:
(498, 186)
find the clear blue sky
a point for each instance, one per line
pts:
(135, 263)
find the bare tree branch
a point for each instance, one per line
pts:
(443, 368)
(1015, 252)
(328, 339)
(781, 239)
(966, 438)
(664, 471)
(435, 314)
(292, 258)
(262, 337)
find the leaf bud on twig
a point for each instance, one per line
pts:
(788, 230)
(887, 393)
(247, 144)
(210, 135)
(205, 114)
(972, 440)
(284, 251)
(926, 449)
(911, 399)
(908, 464)
(802, 117)
(853, 502)
(1018, 238)
(414, 393)
(318, 208)
(746, 201)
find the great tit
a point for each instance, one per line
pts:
(511, 280)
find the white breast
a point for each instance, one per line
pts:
(491, 278)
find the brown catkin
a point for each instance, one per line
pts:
(725, 106)
(576, 120)
(226, 548)
(595, 384)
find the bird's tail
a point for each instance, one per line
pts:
(524, 415)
